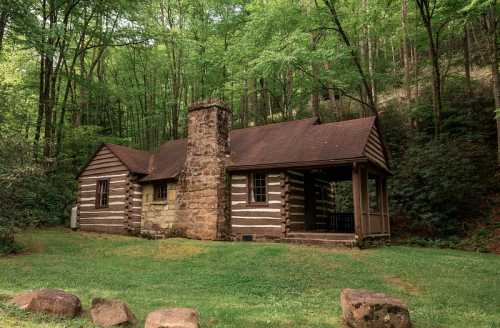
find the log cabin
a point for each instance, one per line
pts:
(278, 181)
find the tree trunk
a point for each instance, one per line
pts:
(253, 103)
(48, 106)
(426, 15)
(334, 107)
(3, 25)
(491, 29)
(406, 52)
(315, 94)
(370, 56)
(244, 105)
(467, 64)
(39, 118)
(365, 83)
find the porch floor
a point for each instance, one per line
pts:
(321, 238)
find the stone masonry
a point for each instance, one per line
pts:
(158, 217)
(201, 194)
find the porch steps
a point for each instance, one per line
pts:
(321, 239)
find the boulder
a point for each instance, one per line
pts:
(108, 313)
(50, 301)
(172, 318)
(365, 309)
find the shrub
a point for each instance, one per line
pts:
(16, 172)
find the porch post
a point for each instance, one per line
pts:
(365, 210)
(385, 206)
(356, 197)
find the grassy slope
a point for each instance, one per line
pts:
(250, 284)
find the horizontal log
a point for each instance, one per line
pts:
(256, 222)
(119, 187)
(96, 160)
(255, 206)
(261, 231)
(255, 214)
(295, 173)
(92, 208)
(94, 178)
(102, 156)
(103, 221)
(104, 152)
(96, 214)
(102, 166)
(109, 171)
(294, 200)
(376, 152)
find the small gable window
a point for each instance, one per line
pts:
(258, 188)
(102, 194)
(160, 191)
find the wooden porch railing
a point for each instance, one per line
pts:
(342, 222)
(375, 224)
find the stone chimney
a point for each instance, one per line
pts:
(202, 196)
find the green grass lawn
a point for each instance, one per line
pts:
(249, 284)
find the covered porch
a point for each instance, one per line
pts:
(336, 204)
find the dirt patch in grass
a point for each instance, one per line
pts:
(4, 298)
(33, 246)
(161, 250)
(402, 284)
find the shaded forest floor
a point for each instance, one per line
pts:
(249, 284)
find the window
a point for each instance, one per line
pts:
(102, 194)
(160, 191)
(258, 191)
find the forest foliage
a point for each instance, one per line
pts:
(74, 73)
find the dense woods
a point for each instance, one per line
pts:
(74, 73)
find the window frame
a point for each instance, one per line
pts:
(98, 193)
(157, 185)
(250, 189)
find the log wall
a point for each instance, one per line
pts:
(257, 220)
(134, 210)
(294, 201)
(116, 218)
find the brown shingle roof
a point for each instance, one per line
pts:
(296, 143)
(286, 144)
(168, 162)
(136, 161)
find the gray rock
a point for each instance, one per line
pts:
(365, 309)
(173, 318)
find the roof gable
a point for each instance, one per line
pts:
(135, 161)
(375, 150)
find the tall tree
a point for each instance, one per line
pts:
(427, 11)
(406, 50)
(337, 26)
(491, 25)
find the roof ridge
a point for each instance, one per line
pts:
(128, 147)
(276, 123)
